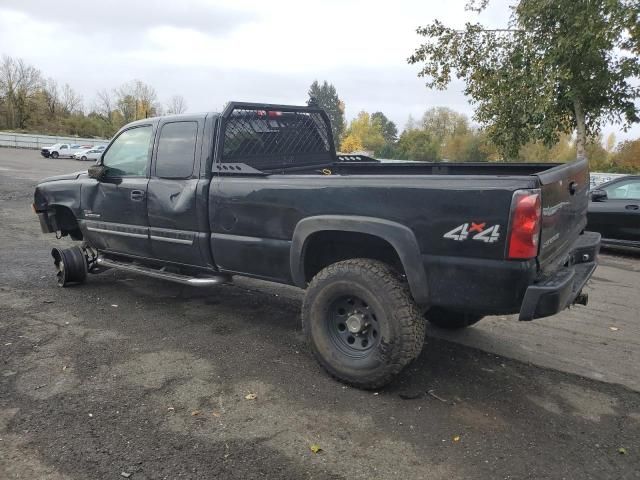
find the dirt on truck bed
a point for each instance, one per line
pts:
(130, 377)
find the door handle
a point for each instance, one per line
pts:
(631, 207)
(137, 195)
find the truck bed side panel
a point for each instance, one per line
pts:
(254, 215)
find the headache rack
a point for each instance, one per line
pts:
(267, 137)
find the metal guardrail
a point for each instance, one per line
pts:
(26, 140)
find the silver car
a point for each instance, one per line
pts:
(90, 153)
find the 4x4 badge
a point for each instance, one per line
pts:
(475, 231)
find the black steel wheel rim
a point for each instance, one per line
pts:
(353, 326)
(60, 272)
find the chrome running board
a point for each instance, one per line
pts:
(161, 274)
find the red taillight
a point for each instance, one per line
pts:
(268, 113)
(524, 234)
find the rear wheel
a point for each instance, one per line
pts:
(361, 322)
(54, 154)
(450, 320)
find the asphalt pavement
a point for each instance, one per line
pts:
(129, 376)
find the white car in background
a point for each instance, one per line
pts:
(90, 154)
(61, 150)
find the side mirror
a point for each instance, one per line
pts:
(97, 171)
(598, 195)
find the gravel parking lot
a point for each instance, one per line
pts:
(133, 377)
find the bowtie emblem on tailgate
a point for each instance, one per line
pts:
(475, 231)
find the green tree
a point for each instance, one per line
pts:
(611, 142)
(470, 146)
(599, 158)
(411, 124)
(534, 151)
(417, 145)
(565, 150)
(51, 98)
(627, 157)
(441, 134)
(20, 87)
(444, 122)
(387, 151)
(560, 66)
(177, 104)
(326, 97)
(389, 129)
(31, 104)
(458, 141)
(136, 100)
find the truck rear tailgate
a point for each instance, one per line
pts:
(565, 198)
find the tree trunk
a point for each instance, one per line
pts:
(11, 111)
(581, 137)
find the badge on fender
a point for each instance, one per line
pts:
(475, 231)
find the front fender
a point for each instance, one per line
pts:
(49, 197)
(400, 237)
(53, 194)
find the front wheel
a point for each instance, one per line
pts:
(71, 265)
(54, 155)
(83, 158)
(361, 322)
(450, 320)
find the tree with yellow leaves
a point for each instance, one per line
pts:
(627, 157)
(350, 144)
(363, 134)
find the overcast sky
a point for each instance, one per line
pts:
(219, 50)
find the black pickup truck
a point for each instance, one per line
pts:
(259, 191)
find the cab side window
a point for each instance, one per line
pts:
(176, 150)
(129, 153)
(624, 190)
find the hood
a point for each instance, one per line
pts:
(66, 176)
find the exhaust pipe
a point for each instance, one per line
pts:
(581, 299)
